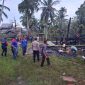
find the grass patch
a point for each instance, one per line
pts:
(32, 74)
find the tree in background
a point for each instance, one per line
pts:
(48, 10)
(2, 7)
(60, 23)
(81, 20)
(61, 16)
(48, 13)
(27, 8)
(81, 14)
(23, 20)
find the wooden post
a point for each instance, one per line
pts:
(68, 29)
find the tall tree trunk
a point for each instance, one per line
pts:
(27, 23)
(68, 28)
(46, 31)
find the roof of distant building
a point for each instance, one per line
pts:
(6, 25)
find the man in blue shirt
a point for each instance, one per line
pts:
(4, 45)
(24, 44)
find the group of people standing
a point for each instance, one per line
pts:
(36, 48)
(14, 46)
(40, 50)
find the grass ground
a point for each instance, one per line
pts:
(24, 72)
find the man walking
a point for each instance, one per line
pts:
(45, 54)
(35, 48)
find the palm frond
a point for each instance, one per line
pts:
(41, 8)
(49, 2)
(55, 2)
(52, 16)
(44, 2)
(5, 7)
(1, 19)
(54, 9)
(43, 13)
(5, 14)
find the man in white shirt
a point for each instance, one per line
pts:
(35, 48)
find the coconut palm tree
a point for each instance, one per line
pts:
(2, 7)
(48, 12)
(62, 21)
(62, 14)
(27, 8)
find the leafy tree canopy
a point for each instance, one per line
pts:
(81, 14)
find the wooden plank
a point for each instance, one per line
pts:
(67, 45)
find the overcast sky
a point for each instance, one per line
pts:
(71, 5)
